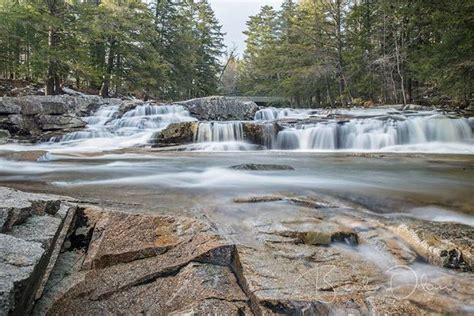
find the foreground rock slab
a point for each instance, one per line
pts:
(288, 255)
(147, 264)
(31, 227)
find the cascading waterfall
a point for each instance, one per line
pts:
(375, 134)
(373, 129)
(95, 126)
(134, 127)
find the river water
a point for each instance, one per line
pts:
(381, 164)
(386, 160)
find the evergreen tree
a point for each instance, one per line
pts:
(166, 50)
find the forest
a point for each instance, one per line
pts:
(342, 52)
(315, 53)
(164, 49)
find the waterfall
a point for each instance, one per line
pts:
(220, 132)
(269, 135)
(271, 114)
(139, 123)
(375, 133)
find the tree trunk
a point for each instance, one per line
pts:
(399, 71)
(104, 90)
(52, 79)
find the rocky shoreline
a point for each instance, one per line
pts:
(61, 256)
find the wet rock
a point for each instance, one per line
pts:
(261, 167)
(448, 245)
(313, 231)
(33, 155)
(177, 134)
(259, 199)
(254, 132)
(4, 136)
(55, 122)
(128, 105)
(219, 108)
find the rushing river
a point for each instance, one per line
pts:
(376, 130)
(369, 166)
(110, 161)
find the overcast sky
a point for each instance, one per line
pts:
(234, 13)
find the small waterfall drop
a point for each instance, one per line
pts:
(220, 132)
(375, 133)
(271, 114)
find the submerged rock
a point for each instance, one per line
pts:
(261, 167)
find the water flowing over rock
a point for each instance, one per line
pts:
(272, 114)
(219, 132)
(110, 127)
(375, 134)
(230, 124)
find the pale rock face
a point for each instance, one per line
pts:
(221, 109)
(291, 255)
(30, 227)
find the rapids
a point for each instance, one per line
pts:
(353, 130)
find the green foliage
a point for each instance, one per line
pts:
(166, 49)
(343, 52)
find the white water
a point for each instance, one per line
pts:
(377, 134)
(383, 129)
(220, 132)
(107, 130)
(271, 114)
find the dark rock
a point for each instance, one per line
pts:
(56, 122)
(261, 167)
(8, 107)
(177, 134)
(221, 108)
(4, 136)
(35, 118)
